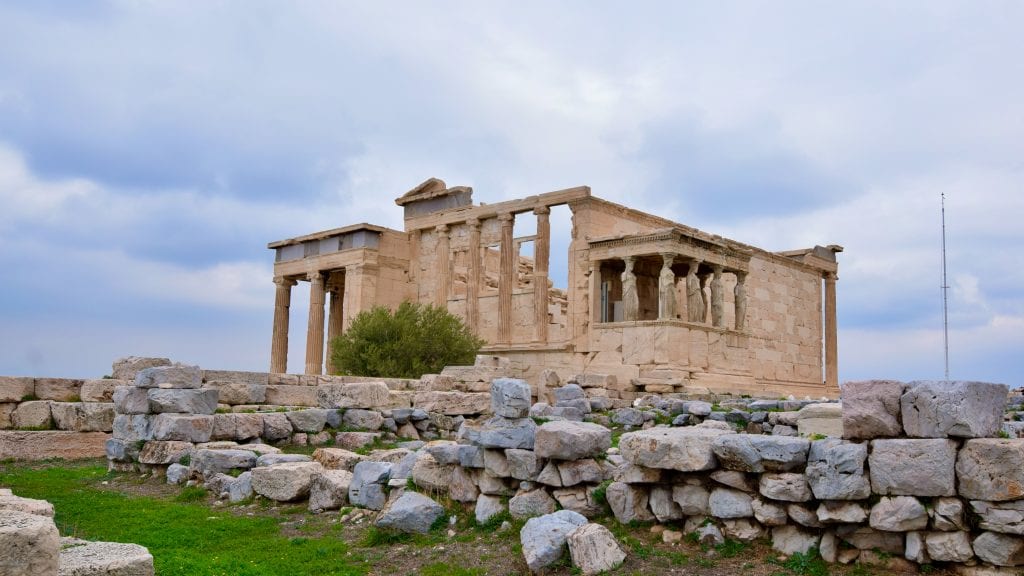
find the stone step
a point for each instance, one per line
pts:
(81, 558)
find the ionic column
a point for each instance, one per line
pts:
(336, 314)
(541, 255)
(667, 288)
(279, 339)
(473, 282)
(630, 297)
(740, 300)
(831, 334)
(506, 278)
(443, 266)
(315, 331)
(717, 298)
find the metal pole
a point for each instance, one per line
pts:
(945, 290)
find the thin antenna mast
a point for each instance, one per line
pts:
(945, 290)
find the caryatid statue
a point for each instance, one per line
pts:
(740, 299)
(704, 294)
(694, 294)
(717, 298)
(630, 298)
(667, 289)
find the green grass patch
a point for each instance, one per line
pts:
(185, 538)
(445, 569)
(191, 494)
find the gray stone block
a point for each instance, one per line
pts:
(913, 467)
(871, 409)
(961, 409)
(759, 453)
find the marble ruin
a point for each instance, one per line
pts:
(662, 306)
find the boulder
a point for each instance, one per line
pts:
(163, 453)
(356, 440)
(527, 504)
(501, 432)
(947, 514)
(566, 440)
(510, 397)
(337, 458)
(107, 558)
(687, 449)
(129, 367)
(173, 376)
(793, 540)
(544, 538)
(628, 503)
(913, 467)
(453, 403)
(362, 419)
(523, 464)
(871, 409)
(665, 509)
(990, 469)
(742, 529)
(286, 481)
(939, 409)
(835, 470)
(594, 549)
(760, 453)
(464, 485)
(310, 420)
(30, 544)
(182, 401)
(728, 503)
(366, 395)
(367, 487)
(949, 546)
(898, 514)
(184, 427)
(487, 506)
(411, 512)
(693, 499)
(839, 512)
(1000, 549)
(1005, 517)
(177, 473)
(130, 400)
(785, 486)
(241, 488)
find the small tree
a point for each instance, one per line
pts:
(413, 340)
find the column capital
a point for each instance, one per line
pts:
(740, 275)
(667, 258)
(473, 223)
(285, 282)
(830, 276)
(315, 276)
(441, 228)
(717, 269)
(506, 218)
(542, 210)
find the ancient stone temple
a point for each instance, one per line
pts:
(657, 304)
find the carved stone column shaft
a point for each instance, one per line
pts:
(541, 255)
(630, 297)
(473, 281)
(443, 266)
(667, 288)
(506, 278)
(279, 339)
(315, 331)
(831, 333)
(336, 315)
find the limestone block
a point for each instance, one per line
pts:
(665, 509)
(623, 471)
(464, 485)
(866, 538)
(915, 550)
(531, 503)
(573, 472)
(544, 538)
(16, 389)
(188, 428)
(871, 409)
(734, 479)
(430, 475)
(949, 546)
(803, 515)
(991, 469)
(487, 506)
(759, 453)
(913, 467)
(832, 512)
(606, 381)
(523, 464)
(366, 395)
(328, 490)
(210, 462)
(594, 550)
(628, 503)
(496, 463)
(728, 503)
(362, 419)
(835, 470)
(30, 544)
(12, 503)
(285, 395)
(947, 514)
(825, 419)
(33, 414)
(130, 400)
(241, 488)
(6, 411)
(549, 475)
(122, 451)
(791, 540)
(566, 440)
(58, 389)
(410, 513)
(453, 403)
(1005, 517)
(177, 474)
(510, 397)
(356, 440)
(898, 514)
(445, 452)
(692, 499)
(182, 401)
(236, 377)
(686, 449)
(501, 432)
(235, 393)
(285, 482)
(785, 486)
(83, 417)
(276, 427)
(163, 453)
(174, 376)
(272, 459)
(367, 487)
(393, 455)
(769, 513)
(310, 420)
(128, 368)
(933, 409)
(100, 390)
(133, 427)
(999, 549)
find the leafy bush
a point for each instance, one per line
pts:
(413, 340)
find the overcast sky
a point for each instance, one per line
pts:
(150, 150)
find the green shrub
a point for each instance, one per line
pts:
(413, 340)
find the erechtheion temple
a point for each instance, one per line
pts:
(662, 306)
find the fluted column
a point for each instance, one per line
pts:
(717, 298)
(473, 282)
(667, 288)
(336, 314)
(831, 333)
(279, 340)
(315, 331)
(441, 291)
(506, 278)
(541, 256)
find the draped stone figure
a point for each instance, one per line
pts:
(740, 300)
(630, 298)
(667, 289)
(717, 299)
(704, 295)
(694, 298)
